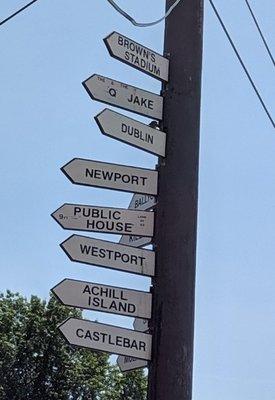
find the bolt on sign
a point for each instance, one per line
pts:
(98, 297)
(124, 96)
(138, 56)
(107, 338)
(111, 176)
(104, 219)
(133, 132)
(107, 254)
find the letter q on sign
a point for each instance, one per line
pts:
(112, 92)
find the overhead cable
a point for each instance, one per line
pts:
(142, 24)
(260, 32)
(242, 64)
(17, 12)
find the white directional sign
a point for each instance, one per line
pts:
(127, 363)
(124, 96)
(142, 202)
(104, 219)
(107, 338)
(137, 55)
(110, 299)
(139, 202)
(141, 325)
(135, 241)
(131, 131)
(110, 255)
(111, 176)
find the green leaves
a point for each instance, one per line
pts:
(37, 364)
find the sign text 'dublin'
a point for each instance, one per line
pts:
(132, 132)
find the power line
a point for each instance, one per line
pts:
(242, 64)
(260, 32)
(142, 24)
(17, 12)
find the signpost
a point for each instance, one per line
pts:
(111, 176)
(110, 299)
(110, 255)
(142, 202)
(138, 56)
(132, 132)
(124, 96)
(105, 219)
(127, 363)
(107, 338)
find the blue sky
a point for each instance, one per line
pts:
(47, 119)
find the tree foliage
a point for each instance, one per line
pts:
(37, 364)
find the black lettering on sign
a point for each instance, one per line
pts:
(116, 176)
(139, 56)
(138, 134)
(142, 101)
(114, 340)
(109, 226)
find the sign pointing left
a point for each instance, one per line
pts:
(130, 131)
(124, 96)
(137, 55)
(108, 338)
(111, 176)
(105, 219)
(98, 297)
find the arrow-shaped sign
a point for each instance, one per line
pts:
(104, 219)
(126, 363)
(137, 55)
(110, 255)
(142, 202)
(98, 297)
(135, 241)
(107, 338)
(141, 325)
(131, 131)
(111, 176)
(124, 96)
